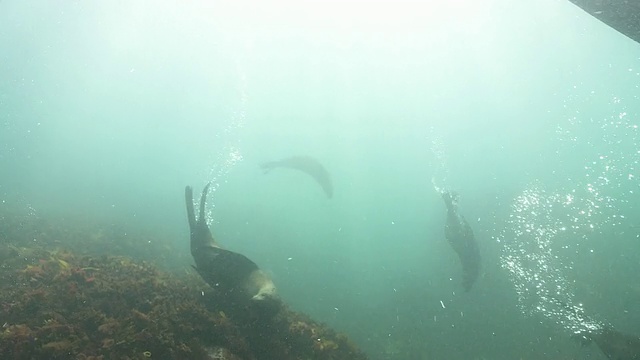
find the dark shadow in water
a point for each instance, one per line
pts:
(622, 15)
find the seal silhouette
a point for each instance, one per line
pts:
(233, 273)
(308, 165)
(460, 236)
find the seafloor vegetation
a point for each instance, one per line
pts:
(58, 303)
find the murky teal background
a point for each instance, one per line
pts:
(109, 108)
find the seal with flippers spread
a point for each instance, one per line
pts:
(231, 272)
(460, 237)
(308, 165)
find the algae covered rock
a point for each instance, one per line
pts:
(58, 304)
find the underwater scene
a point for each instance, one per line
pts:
(309, 179)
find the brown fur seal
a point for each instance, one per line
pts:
(614, 344)
(460, 237)
(618, 346)
(308, 165)
(233, 273)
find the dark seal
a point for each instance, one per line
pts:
(233, 273)
(308, 165)
(460, 237)
(614, 344)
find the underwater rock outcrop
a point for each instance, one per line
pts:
(56, 304)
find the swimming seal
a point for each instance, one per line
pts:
(460, 236)
(308, 165)
(233, 273)
(615, 344)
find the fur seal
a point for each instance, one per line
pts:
(233, 273)
(460, 236)
(306, 164)
(614, 344)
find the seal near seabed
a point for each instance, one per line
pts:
(308, 165)
(233, 273)
(460, 236)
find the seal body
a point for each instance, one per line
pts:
(231, 272)
(308, 165)
(460, 236)
(616, 345)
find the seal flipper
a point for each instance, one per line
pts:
(188, 195)
(199, 230)
(203, 201)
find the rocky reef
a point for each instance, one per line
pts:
(61, 304)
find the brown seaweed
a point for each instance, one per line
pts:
(58, 304)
